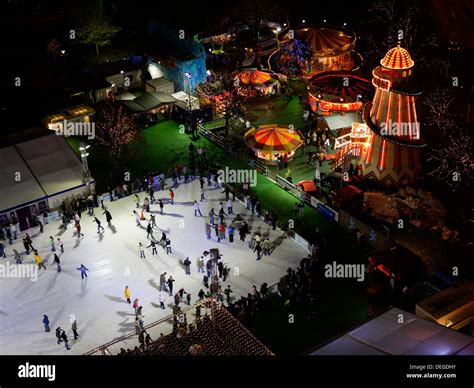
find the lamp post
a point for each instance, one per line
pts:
(85, 166)
(359, 97)
(188, 78)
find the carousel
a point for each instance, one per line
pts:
(273, 142)
(253, 82)
(332, 47)
(337, 91)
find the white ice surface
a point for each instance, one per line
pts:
(98, 303)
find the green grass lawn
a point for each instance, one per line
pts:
(276, 110)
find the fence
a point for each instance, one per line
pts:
(320, 206)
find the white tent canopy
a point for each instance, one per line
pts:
(42, 169)
(53, 163)
(387, 335)
(17, 183)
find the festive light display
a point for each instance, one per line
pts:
(271, 141)
(337, 91)
(331, 47)
(253, 82)
(393, 154)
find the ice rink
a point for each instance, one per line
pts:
(112, 258)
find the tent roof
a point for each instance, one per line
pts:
(159, 82)
(53, 163)
(13, 192)
(148, 101)
(324, 39)
(385, 335)
(273, 138)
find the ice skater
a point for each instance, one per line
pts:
(2, 251)
(135, 305)
(83, 270)
(187, 266)
(17, 256)
(149, 230)
(51, 241)
(211, 216)
(58, 335)
(66, 341)
(222, 213)
(163, 281)
(197, 209)
(136, 198)
(258, 249)
(60, 245)
(74, 329)
(26, 245)
(161, 299)
(57, 262)
(202, 194)
(29, 241)
(168, 246)
(127, 294)
(200, 264)
(108, 217)
(160, 202)
(78, 230)
(39, 260)
(172, 196)
(163, 240)
(137, 218)
(153, 247)
(46, 323)
(141, 250)
(170, 282)
(153, 221)
(99, 226)
(230, 206)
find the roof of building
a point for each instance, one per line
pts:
(44, 166)
(69, 114)
(159, 82)
(397, 58)
(17, 183)
(53, 163)
(448, 300)
(387, 335)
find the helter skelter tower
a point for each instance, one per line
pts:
(392, 155)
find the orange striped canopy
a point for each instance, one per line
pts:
(274, 138)
(397, 58)
(257, 78)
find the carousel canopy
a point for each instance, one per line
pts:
(324, 40)
(257, 78)
(273, 138)
(339, 85)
